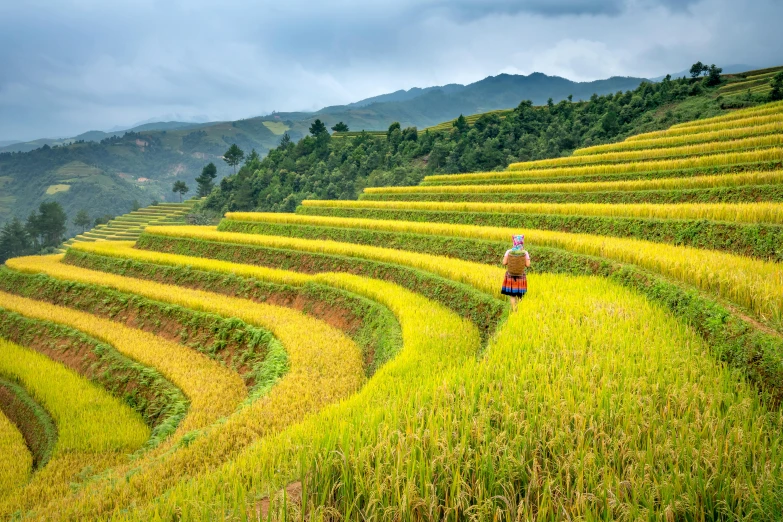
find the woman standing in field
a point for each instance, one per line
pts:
(516, 260)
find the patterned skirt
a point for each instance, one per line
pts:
(514, 285)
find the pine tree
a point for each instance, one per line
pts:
(82, 219)
(14, 240)
(206, 180)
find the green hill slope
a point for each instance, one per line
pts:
(106, 177)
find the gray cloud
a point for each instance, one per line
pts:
(76, 65)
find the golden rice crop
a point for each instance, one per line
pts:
(769, 74)
(771, 213)
(705, 161)
(88, 419)
(475, 274)
(753, 142)
(690, 182)
(94, 429)
(736, 87)
(324, 366)
(434, 341)
(767, 108)
(744, 84)
(17, 460)
(749, 121)
(213, 390)
(751, 283)
(684, 139)
(590, 390)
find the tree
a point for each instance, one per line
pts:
(285, 141)
(461, 123)
(14, 240)
(318, 128)
(102, 220)
(252, 158)
(713, 78)
(776, 93)
(340, 127)
(206, 180)
(393, 127)
(610, 122)
(180, 188)
(82, 219)
(698, 68)
(233, 156)
(48, 224)
(135, 205)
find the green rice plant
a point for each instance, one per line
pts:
(705, 161)
(684, 139)
(18, 464)
(712, 147)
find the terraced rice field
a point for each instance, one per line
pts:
(130, 226)
(755, 81)
(356, 360)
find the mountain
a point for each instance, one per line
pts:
(104, 172)
(429, 106)
(401, 95)
(94, 135)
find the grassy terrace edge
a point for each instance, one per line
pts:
(160, 403)
(485, 311)
(755, 240)
(30, 418)
(761, 166)
(757, 353)
(371, 325)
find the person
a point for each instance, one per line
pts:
(517, 261)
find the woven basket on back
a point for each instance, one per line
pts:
(516, 264)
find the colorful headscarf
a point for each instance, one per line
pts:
(519, 243)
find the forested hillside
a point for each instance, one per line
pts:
(324, 167)
(107, 176)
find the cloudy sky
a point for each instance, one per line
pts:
(67, 66)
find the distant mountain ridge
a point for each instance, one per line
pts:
(93, 135)
(424, 107)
